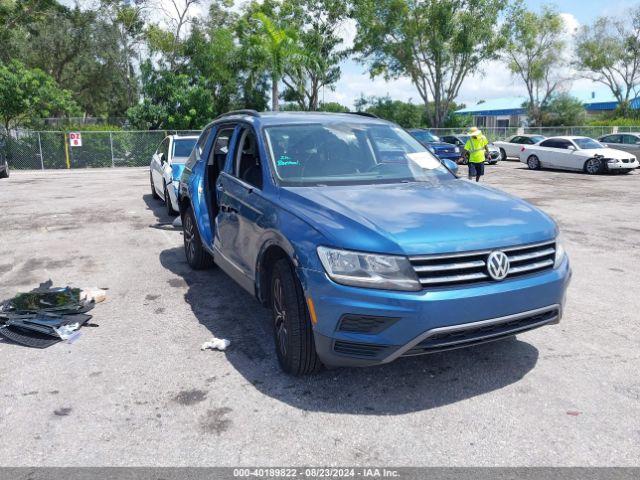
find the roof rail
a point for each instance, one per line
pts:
(364, 114)
(252, 113)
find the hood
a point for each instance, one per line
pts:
(419, 218)
(608, 153)
(177, 167)
(441, 146)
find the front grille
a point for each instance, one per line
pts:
(358, 349)
(365, 323)
(461, 336)
(471, 267)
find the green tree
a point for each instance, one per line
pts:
(609, 52)
(317, 22)
(436, 43)
(27, 93)
(534, 53)
(405, 114)
(279, 46)
(563, 109)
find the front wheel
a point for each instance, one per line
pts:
(5, 172)
(197, 257)
(293, 332)
(593, 166)
(503, 154)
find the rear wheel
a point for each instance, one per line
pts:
(293, 332)
(533, 163)
(197, 257)
(593, 166)
(5, 172)
(154, 194)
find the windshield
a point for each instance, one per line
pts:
(183, 147)
(587, 143)
(425, 137)
(343, 153)
(537, 138)
(464, 138)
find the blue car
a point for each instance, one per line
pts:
(443, 150)
(363, 245)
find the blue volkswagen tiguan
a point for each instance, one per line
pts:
(365, 247)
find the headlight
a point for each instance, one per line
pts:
(613, 160)
(387, 272)
(560, 253)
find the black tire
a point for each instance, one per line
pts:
(167, 202)
(593, 166)
(154, 194)
(533, 163)
(503, 154)
(292, 330)
(197, 257)
(5, 172)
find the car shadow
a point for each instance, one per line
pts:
(164, 221)
(406, 385)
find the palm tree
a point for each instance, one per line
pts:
(280, 46)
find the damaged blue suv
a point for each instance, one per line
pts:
(365, 247)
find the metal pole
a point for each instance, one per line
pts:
(111, 143)
(40, 147)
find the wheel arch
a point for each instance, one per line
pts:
(271, 251)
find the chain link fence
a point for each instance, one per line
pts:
(44, 150)
(31, 150)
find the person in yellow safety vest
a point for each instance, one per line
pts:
(476, 148)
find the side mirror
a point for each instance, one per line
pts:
(451, 165)
(571, 147)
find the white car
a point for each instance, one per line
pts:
(511, 148)
(577, 153)
(167, 164)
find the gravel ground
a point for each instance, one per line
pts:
(137, 390)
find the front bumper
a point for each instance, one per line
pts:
(622, 166)
(430, 320)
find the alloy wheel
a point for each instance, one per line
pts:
(189, 237)
(533, 163)
(593, 166)
(279, 316)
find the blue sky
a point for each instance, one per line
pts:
(494, 82)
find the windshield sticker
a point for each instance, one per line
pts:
(285, 161)
(424, 160)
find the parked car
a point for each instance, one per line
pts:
(4, 163)
(577, 153)
(365, 247)
(166, 168)
(511, 148)
(461, 140)
(442, 150)
(628, 142)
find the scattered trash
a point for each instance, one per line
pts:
(177, 223)
(93, 294)
(573, 413)
(47, 315)
(216, 344)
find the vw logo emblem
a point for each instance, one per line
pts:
(498, 265)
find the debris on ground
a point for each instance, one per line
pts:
(47, 314)
(216, 344)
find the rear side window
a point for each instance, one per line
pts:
(556, 143)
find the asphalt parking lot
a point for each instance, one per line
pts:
(137, 390)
